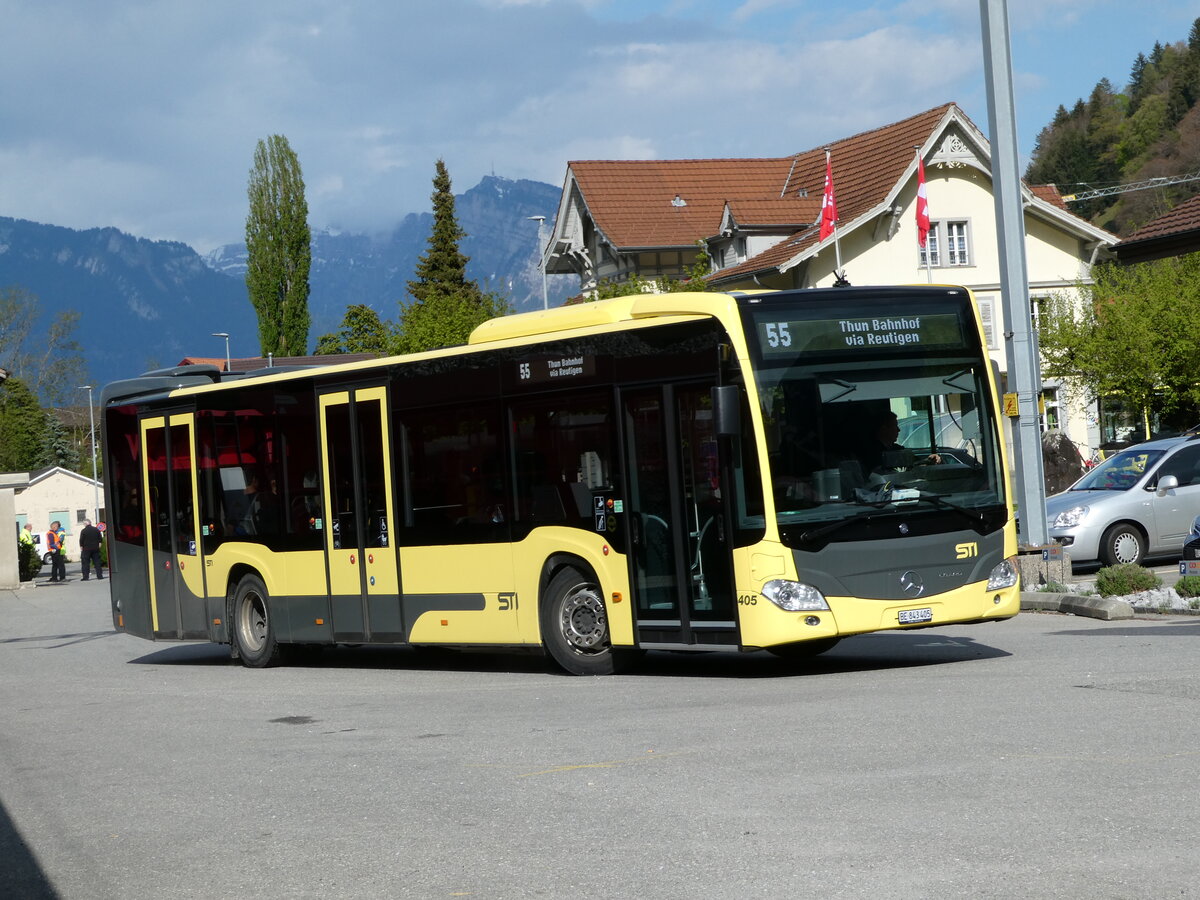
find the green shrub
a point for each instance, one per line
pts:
(1188, 586)
(1127, 578)
(1053, 587)
(29, 561)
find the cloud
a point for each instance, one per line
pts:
(145, 114)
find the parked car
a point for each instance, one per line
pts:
(1191, 546)
(1139, 502)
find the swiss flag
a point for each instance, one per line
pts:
(828, 203)
(922, 205)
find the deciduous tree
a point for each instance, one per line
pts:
(1132, 334)
(279, 248)
(50, 363)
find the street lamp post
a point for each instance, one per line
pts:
(95, 478)
(224, 334)
(541, 220)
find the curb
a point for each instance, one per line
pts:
(1072, 604)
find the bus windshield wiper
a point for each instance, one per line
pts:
(974, 516)
(815, 534)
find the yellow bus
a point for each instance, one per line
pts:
(686, 471)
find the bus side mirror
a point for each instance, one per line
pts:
(726, 401)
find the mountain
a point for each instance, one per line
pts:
(1131, 155)
(502, 242)
(147, 303)
(142, 303)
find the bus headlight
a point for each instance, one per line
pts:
(1003, 576)
(794, 596)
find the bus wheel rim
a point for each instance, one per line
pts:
(253, 624)
(583, 621)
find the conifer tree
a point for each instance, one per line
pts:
(23, 425)
(446, 305)
(57, 448)
(362, 331)
(278, 244)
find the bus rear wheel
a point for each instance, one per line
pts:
(253, 632)
(575, 625)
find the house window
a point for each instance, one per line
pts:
(956, 244)
(948, 244)
(1050, 411)
(80, 515)
(929, 253)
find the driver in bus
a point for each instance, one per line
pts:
(882, 455)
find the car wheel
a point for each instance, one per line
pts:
(1122, 544)
(47, 558)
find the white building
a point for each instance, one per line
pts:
(61, 494)
(757, 220)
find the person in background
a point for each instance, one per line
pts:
(58, 555)
(27, 535)
(89, 546)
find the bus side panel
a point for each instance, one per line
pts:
(295, 585)
(462, 594)
(612, 568)
(129, 590)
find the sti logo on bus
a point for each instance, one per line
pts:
(966, 551)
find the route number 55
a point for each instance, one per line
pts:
(778, 334)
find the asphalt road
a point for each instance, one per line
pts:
(1047, 756)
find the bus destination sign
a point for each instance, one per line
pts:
(550, 369)
(895, 332)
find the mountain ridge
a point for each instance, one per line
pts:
(145, 303)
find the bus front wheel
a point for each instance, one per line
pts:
(575, 625)
(252, 629)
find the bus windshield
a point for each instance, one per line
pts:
(856, 434)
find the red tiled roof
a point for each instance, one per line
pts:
(253, 363)
(1050, 193)
(790, 210)
(1183, 218)
(631, 201)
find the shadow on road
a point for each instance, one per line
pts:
(1168, 628)
(890, 650)
(20, 874)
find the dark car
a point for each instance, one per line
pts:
(1191, 546)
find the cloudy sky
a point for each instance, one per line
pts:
(144, 114)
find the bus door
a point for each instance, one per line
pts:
(172, 520)
(681, 564)
(364, 580)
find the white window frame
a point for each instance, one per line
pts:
(939, 244)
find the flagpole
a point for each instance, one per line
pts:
(837, 247)
(923, 207)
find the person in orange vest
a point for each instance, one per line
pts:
(58, 554)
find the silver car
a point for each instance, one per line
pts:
(1140, 502)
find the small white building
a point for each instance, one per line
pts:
(58, 493)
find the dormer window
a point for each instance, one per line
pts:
(678, 201)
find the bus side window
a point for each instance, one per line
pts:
(563, 450)
(456, 476)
